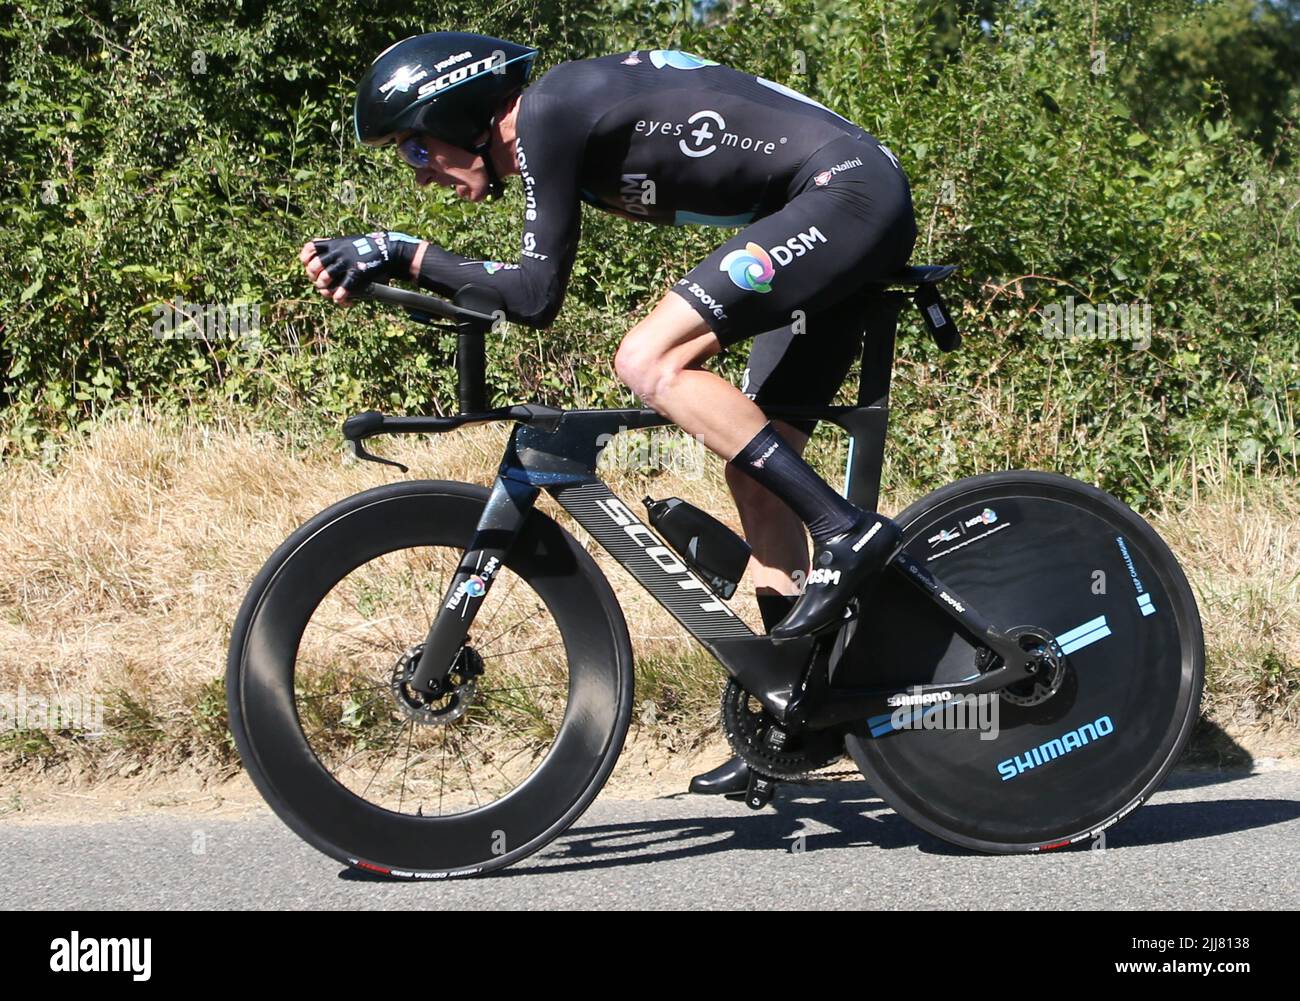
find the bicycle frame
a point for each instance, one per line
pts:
(557, 450)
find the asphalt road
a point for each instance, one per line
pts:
(1207, 840)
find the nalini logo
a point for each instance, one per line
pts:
(750, 269)
(761, 461)
(75, 954)
(673, 59)
(824, 178)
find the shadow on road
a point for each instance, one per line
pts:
(851, 815)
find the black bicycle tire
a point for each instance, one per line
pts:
(577, 585)
(1171, 573)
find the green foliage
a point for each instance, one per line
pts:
(209, 722)
(156, 151)
(1251, 48)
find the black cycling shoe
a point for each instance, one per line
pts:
(839, 569)
(729, 777)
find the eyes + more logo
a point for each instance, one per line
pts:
(704, 132)
(753, 268)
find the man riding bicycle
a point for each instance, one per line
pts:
(665, 137)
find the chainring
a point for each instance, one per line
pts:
(746, 724)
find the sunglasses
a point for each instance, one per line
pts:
(414, 151)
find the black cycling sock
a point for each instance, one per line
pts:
(775, 607)
(769, 459)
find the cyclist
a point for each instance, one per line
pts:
(665, 137)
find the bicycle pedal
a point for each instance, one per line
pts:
(760, 792)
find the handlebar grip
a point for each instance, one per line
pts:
(429, 305)
(362, 425)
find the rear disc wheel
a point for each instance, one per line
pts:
(1088, 740)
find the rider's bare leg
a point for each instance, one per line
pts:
(660, 359)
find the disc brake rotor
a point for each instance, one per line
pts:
(457, 691)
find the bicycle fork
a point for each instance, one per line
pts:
(498, 527)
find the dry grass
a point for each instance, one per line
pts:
(1239, 543)
(127, 559)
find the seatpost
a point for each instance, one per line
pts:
(868, 429)
(878, 344)
(471, 349)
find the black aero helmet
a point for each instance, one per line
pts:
(447, 84)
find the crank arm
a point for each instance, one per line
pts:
(832, 706)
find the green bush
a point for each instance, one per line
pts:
(157, 151)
